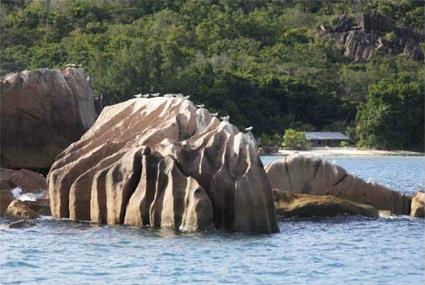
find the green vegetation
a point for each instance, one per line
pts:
(293, 139)
(258, 61)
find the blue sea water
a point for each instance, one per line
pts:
(342, 250)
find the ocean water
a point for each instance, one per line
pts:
(342, 250)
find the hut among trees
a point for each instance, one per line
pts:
(318, 139)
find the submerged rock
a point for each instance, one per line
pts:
(291, 204)
(162, 162)
(42, 111)
(305, 175)
(20, 210)
(20, 224)
(418, 205)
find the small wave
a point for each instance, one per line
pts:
(17, 193)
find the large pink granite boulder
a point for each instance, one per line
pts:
(162, 162)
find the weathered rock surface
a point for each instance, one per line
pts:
(363, 38)
(32, 189)
(42, 111)
(418, 205)
(5, 198)
(161, 162)
(289, 204)
(27, 180)
(20, 210)
(20, 224)
(305, 175)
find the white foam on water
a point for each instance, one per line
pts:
(17, 193)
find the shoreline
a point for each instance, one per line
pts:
(338, 151)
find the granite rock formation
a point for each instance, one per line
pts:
(373, 33)
(27, 180)
(162, 162)
(42, 111)
(5, 198)
(418, 205)
(305, 175)
(290, 204)
(32, 188)
(20, 210)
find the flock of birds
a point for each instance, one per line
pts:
(179, 95)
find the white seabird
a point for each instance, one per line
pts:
(200, 106)
(146, 95)
(137, 95)
(225, 118)
(186, 97)
(249, 129)
(155, 94)
(214, 114)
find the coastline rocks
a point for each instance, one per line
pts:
(27, 180)
(20, 224)
(162, 162)
(5, 198)
(20, 210)
(42, 112)
(418, 205)
(305, 175)
(371, 34)
(24, 185)
(289, 204)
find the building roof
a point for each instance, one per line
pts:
(325, 136)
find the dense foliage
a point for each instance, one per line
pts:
(293, 139)
(260, 61)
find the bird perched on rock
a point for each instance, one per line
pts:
(146, 95)
(186, 97)
(225, 118)
(200, 106)
(168, 96)
(155, 94)
(214, 114)
(137, 95)
(88, 78)
(249, 129)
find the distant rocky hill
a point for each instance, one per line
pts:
(373, 33)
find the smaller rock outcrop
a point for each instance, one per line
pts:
(5, 198)
(24, 185)
(42, 111)
(20, 224)
(312, 176)
(290, 204)
(373, 33)
(27, 180)
(20, 210)
(418, 205)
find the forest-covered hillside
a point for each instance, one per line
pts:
(268, 64)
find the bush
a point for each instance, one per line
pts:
(293, 139)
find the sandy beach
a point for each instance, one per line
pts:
(332, 151)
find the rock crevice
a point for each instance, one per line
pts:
(162, 162)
